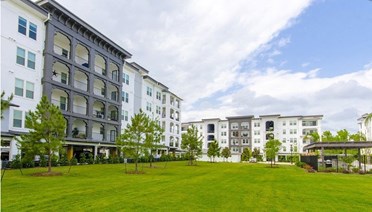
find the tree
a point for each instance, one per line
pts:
(247, 154)
(192, 143)
(214, 150)
(342, 135)
(138, 137)
(314, 136)
(47, 131)
(327, 136)
(226, 153)
(368, 118)
(358, 137)
(271, 149)
(256, 153)
(153, 139)
(5, 103)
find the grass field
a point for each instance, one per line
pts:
(206, 187)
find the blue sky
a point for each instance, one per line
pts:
(249, 57)
(333, 35)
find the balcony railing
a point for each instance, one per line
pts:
(81, 85)
(100, 70)
(61, 51)
(82, 61)
(58, 104)
(79, 109)
(97, 136)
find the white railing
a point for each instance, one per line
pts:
(100, 70)
(81, 61)
(59, 50)
(80, 85)
(97, 136)
(79, 109)
(97, 91)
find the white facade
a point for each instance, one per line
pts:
(365, 127)
(22, 45)
(291, 131)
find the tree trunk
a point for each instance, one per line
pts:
(271, 163)
(50, 162)
(136, 165)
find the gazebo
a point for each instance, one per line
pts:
(339, 145)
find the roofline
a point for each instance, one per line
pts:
(168, 91)
(139, 67)
(240, 117)
(89, 27)
(156, 82)
(34, 6)
(211, 119)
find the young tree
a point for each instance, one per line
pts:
(192, 143)
(271, 149)
(314, 136)
(138, 137)
(153, 139)
(213, 150)
(226, 153)
(5, 103)
(358, 137)
(247, 154)
(47, 131)
(256, 153)
(342, 135)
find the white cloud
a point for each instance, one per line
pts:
(192, 46)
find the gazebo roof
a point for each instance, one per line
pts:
(339, 145)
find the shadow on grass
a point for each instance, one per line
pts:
(46, 174)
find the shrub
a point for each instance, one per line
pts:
(73, 161)
(28, 163)
(355, 170)
(43, 161)
(16, 163)
(63, 160)
(90, 158)
(300, 164)
(83, 159)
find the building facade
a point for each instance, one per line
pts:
(365, 127)
(81, 71)
(251, 132)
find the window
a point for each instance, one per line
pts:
(283, 140)
(284, 123)
(125, 97)
(284, 131)
(158, 110)
(31, 60)
(65, 53)
(257, 124)
(292, 123)
(235, 134)
(148, 106)
(293, 131)
(18, 87)
(21, 56)
(29, 90)
(62, 104)
(223, 133)
(158, 95)
(245, 141)
(223, 126)
(284, 149)
(256, 132)
(245, 134)
(32, 31)
(256, 140)
(126, 78)
(149, 91)
(234, 126)
(245, 125)
(17, 118)
(22, 23)
(64, 78)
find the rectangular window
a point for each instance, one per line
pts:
(149, 91)
(64, 78)
(65, 53)
(22, 23)
(148, 106)
(126, 118)
(257, 124)
(284, 123)
(18, 87)
(29, 90)
(125, 97)
(158, 95)
(17, 118)
(31, 60)
(284, 131)
(126, 79)
(21, 56)
(32, 31)
(62, 104)
(122, 115)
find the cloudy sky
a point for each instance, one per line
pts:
(249, 57)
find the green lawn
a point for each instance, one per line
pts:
(211, 187)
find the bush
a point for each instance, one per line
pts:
(55, 160)
(83, 159)
(355, 170)
(90, 158)
(63, 160)
(16, 163)
(73, 161)
(43, 161)
(300, 164)
(28, 163)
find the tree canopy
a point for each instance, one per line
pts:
(140, 137)
(246, 154)
(213, 150)
(271, 149)
(5, 103)
(192, 143)
(226, 153)
(47, 131)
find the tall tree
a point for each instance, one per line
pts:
(192, 143)
(47, 131)
(138, 137)
(256, 153)
(5, 103)
(359, 136)
(247, 154)
(226, 153)
(342, 135)
(271, 149)
(214, 150)
(314, 136)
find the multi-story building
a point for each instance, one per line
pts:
(80, 70)
(22, 61)
(241, 132)
(365, 127)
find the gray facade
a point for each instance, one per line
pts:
(89, 94)
(240, 133)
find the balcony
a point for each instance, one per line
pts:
(79, 127)
(60, 99)
(113, 91)
(61, 73)
(113, 72)
(114, 113)
(98, 110)
(80, 105)
(61, 45)
(97, 131)
(99, 88)
(82, 55)
(81, 80)
(100, 65)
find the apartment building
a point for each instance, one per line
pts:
(22, 61)
(365, 127)
(83, 72)
(239, 132)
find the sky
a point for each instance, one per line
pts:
(248, 57)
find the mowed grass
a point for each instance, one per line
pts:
(205, 187)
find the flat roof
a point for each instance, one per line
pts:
(339, 145)
(240, 117)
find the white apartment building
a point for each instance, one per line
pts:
(47, 50)
(365, 127)
(22, 61)
(241, 132)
